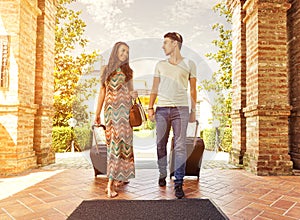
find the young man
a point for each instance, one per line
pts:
(170, 84)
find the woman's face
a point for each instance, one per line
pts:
(123, 53)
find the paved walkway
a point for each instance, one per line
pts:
(81, 160)
(53, 192)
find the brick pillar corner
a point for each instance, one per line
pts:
(267, 108)
(44, 83)
(238, 81)
(293, 26)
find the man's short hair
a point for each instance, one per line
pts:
(175, 36)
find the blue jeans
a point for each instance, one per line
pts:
(177, 118)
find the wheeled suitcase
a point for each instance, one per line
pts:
(98, 153)
(194, 149)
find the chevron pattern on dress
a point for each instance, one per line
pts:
(119, 134)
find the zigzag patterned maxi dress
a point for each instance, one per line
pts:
(119, 134)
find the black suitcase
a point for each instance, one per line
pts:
(98, 154)
(194, 149)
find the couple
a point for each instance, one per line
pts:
(170, 84)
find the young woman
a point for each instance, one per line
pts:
(116, 93)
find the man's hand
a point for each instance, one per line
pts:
(192, 117)
(151, 114)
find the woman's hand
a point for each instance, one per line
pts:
(97, 120)
(134, 94)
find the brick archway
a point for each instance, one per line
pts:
(266, 104)
(265, 80)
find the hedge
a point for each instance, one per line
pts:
(62, 138)
(209, 137)
(84, 137)
(225, 138)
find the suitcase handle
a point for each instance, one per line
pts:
(98, 126)
(93, 128)
(196, 131)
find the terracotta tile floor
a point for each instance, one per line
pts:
(238, 193)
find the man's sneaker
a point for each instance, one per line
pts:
(162, 182)
(179, 192)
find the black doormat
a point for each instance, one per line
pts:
(148, 209)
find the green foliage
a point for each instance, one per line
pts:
(225, 139)
(68, 68)
(62, 138)
(209, 138)
(82, 93)
(84, 137)
(150, 124)
(136, 128)
(221, 81)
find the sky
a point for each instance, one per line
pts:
(142, 24)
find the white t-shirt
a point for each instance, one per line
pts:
(174, 82)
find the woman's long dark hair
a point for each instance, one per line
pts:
(114, 63)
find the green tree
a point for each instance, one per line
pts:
(69, 36)
(83, 92)
(221, 81)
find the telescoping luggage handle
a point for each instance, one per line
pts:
(96, 125)
(93, 128)
(196, 131)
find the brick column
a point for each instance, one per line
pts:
(26, 103)
(17, 107)
(268, 106)
(294, 80)
(9, 95)
(44, 83)
(238, 81)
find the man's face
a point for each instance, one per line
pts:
(168, 46)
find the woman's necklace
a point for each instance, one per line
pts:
(118, 69)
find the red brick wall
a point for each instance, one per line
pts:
(44, 83)
(25, 118)
(238, 82)
(294, 79)
(267, 108)
(17, 107)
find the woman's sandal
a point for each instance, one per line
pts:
(110, 194)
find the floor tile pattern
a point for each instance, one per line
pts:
(239, 194)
